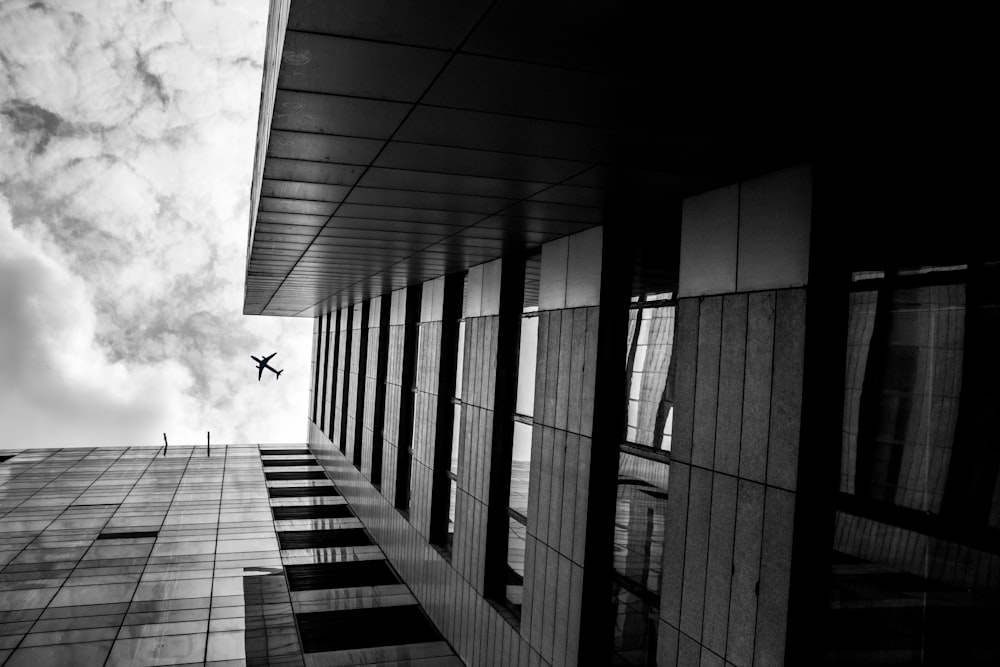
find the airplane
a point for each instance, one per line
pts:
(262, 364)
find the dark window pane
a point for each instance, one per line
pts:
(916, 548)
(640, 518)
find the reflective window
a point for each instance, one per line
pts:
(456, 401)
(520, 464)
(916, 547)
(650, 377)
(643, 472)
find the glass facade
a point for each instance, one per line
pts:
(140, 556)
(643, 472)
(916, 564)
(129, 556)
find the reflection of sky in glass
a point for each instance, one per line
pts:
(453, 488)
(461, 359)
(522, 443)
(650, 403)
(526, 366)
(455, 436)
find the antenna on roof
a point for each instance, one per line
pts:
(164, 444)
(209, 434)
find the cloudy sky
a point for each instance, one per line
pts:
(126, 148)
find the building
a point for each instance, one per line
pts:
(646, 334)
(231, 556)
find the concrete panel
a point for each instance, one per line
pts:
(706, 394)
(552, 534)
(582, 498)
(786, 392)
(576, 370)
(709, 233)
(731, 366)
(552, 285)
(666, 645)
(565, 352)
(775, 221)
(775, 564)
(673, 544)
(587, 390)
(491, 287)
(583, 274)
(398, 315)
(551, 370)
(686, 351)
(757, 386)
(746, 569)
(720, 563)
(696, 552)
(474, 292)
(432, 300)
(570, 487)
(688, 652)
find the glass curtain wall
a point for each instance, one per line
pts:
(643, 473)
(915, 573)
(456, 401)
(520, 464)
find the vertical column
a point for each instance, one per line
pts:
(355, 383)
(425, 398)
(393, 392)
(337, 375)
(374, 363)
(574, 456)
(324, 411)
(379, 406)
(333, 363)
(476, 440)
(398, 432)
(314, 367)
(734, 464)
(343, 376)
(404, 446)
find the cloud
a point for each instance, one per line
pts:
(128, 133)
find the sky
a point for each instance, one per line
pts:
(127, 135)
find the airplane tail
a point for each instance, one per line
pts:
(279, 374)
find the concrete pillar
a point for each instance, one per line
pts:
(741, 325)
(578, 417)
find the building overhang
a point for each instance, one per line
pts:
(401, 142)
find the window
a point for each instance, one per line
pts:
(520, 459)
(643, 471)
(650, 380)
(453, 344)
(915, 568)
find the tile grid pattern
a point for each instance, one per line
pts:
(464, 617)
(179, 596)
(561, 444)
(354, 376)
(732, 488)
(372, 386)
(393, 393)
(425, 424)
(475, 448)
(340, 376)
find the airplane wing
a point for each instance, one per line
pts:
(268, 358)
(260, 371)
